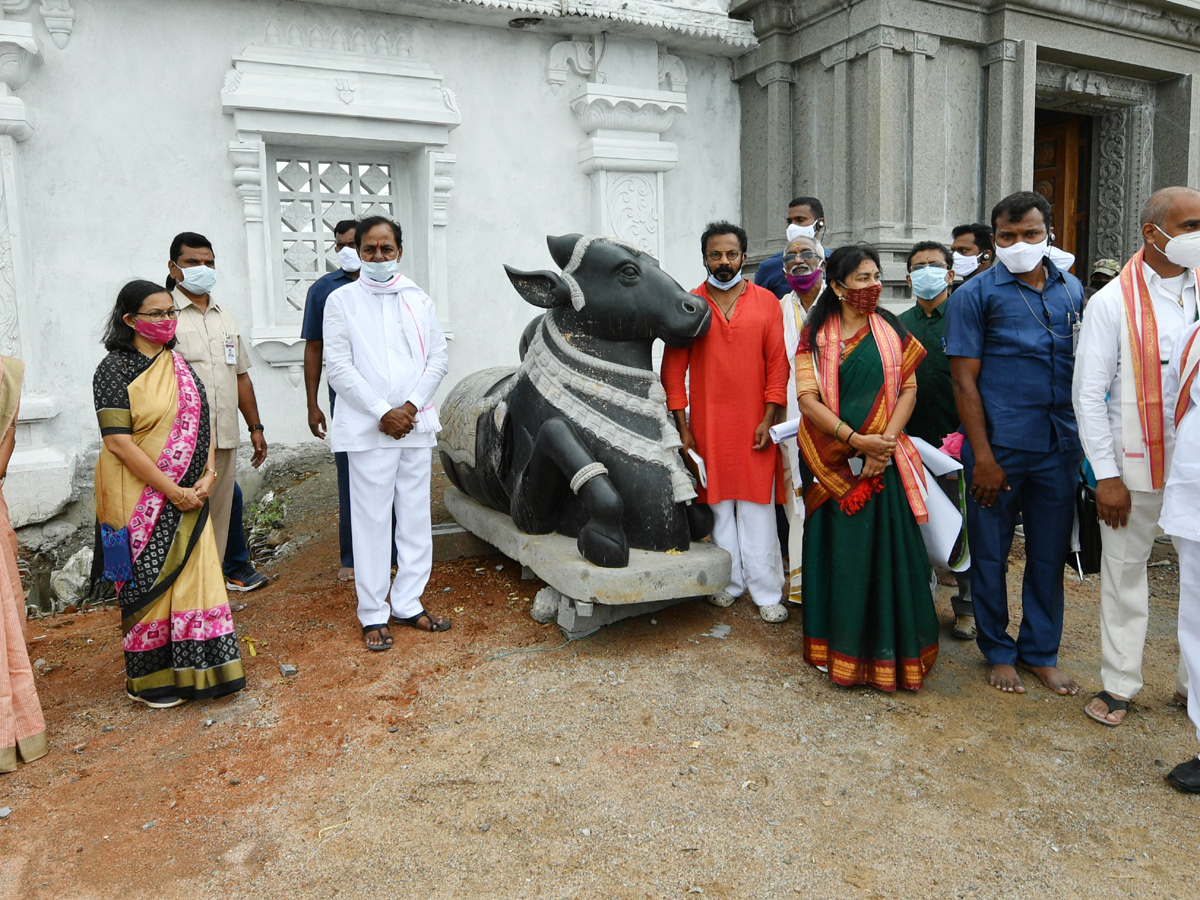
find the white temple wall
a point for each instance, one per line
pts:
(133, 123)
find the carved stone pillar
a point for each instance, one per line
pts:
(1011, 95)
(625, 159)
(777, 79)
(927, 166)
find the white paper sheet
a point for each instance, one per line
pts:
(785, 430)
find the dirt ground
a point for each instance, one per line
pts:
(647, 761)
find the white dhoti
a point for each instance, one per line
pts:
(382, 480)
(795, 513)
(1189, 620)
(747, 531)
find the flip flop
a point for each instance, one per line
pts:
(434, 624)
(387, 638)
(1113, 704)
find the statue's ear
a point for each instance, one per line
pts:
(544, 289)
(562, 247)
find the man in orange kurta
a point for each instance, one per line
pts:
(737, 374)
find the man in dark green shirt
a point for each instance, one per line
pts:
(930, 273)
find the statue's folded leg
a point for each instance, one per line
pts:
(561, 462)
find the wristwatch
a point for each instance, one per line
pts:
(254, 428)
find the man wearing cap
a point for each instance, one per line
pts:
(1121, 402)
(1104, 271)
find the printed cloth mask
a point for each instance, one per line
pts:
(964, 265)
(156, 332)
(802, 283)
(349, 260)
(928, 282)
(381, 272)
(198, 280)
(1061, 258)
(1183, 249)
(864, 299)
(1022, 256)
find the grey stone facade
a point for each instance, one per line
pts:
(908, 117)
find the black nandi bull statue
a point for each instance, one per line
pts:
(578, 439)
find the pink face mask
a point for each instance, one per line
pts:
(802, 284)
(156, 332)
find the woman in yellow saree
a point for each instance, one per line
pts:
(153, 478)
(22, 727)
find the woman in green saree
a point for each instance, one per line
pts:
(868, 613)
(152, 482)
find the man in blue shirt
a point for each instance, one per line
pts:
(1010, 336)
(313, 334)
(805, 218)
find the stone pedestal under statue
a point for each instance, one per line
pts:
(584, 597)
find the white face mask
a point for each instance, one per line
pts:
(198, 280)
(1022, 256)
(1183, 249)
(964, 265)
(348, 259)
(798, 231)
(1061, 258)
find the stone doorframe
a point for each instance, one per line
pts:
(1123, 148)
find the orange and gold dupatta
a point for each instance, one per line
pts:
(828, 458)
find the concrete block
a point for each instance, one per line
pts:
(454, 542)
(704, 569)
(578, 619)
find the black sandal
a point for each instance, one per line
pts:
(1113, 704)
(411, 622)
(387, 638)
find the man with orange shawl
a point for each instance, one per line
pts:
(1121, 403)
(22, 727)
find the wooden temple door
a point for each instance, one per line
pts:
(1062, 174)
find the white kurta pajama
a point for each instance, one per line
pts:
(384, 348)
(1105, 402)
(794, 319)
(1181, 518)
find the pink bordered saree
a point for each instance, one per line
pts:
(22, 726)
(178, 630)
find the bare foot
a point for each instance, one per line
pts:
(1051, 677)
(1005, 678)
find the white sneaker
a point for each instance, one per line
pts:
(775, 613)
(722, 599)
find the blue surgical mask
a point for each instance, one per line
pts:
(198, 280)
(928, 282)
(380, 272)
(725, 285)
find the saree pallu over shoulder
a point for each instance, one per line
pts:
(179, 635)
(22, 725)
(879, 363)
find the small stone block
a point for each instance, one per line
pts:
(287, 670)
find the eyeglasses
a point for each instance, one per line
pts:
(930, 265)
(157, 315)
(717, 255)
(808, 256)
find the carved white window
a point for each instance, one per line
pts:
(324, 118)
(309, 195)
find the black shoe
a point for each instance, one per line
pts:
(1186, 776)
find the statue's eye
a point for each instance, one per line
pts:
(629, 272)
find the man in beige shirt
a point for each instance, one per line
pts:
(209, 340)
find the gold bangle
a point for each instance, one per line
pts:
(837, 429)
(214, 472)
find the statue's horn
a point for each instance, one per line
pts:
(562, 247)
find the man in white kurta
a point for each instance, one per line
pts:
(385, 355)
(1181, 519)
(803, 267)
(1124, 434)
